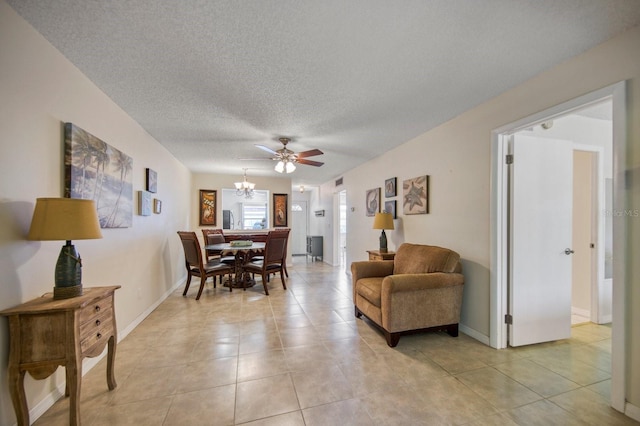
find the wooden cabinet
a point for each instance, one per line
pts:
(377, 255)
(314, 246)
(47, 333)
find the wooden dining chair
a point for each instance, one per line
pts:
(216, 236)
(196, 266)
(275, 250)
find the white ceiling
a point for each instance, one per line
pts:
(354, 78)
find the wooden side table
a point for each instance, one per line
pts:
(377, 255)
(46, 333)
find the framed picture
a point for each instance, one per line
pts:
(144, 199)
(94, 170)
(157, 206)
(415, 195)
(373, 201)
(390, 207)
(390, 189)
(152, 181)
(280, 210)
(207, 207)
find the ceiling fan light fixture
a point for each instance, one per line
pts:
(280, 167)
(290, 167)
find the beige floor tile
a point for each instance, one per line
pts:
(603, 388)
(501, 391)
(537, 378)
(591, 408)
(259, 342)
(306, 358)
(206, 374)
(289, 419)
(265, 397)
(204, 407)
(348, 412)
(400, 405)
(145, 383)
(321, 386)
(542, 413)
(256, 365)
(150, 412)
(212, 348)
(303, 336)
(570, 368)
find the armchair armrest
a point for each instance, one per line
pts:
(373, 268)
(416, 282)
(369, 269)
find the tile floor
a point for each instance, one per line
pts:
(299, 357)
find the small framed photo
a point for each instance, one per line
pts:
(144, 203)
(207, 207)
(157, 206)
(390, 207)
(390, 189)
(152, 181)
(280, 210)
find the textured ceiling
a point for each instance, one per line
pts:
(354, 78)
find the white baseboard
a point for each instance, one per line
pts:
(632, 411)
(88, 363)
(474, 334)
(581, 312)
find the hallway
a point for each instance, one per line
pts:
(299, 357)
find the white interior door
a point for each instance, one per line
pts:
(299, 227)
(541, 237)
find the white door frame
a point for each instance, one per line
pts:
(599, 206)
(499, 226)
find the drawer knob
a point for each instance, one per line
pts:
(99, 335)
(97, 308)
(97, 322)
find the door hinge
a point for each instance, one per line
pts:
(509, 159)
(508, 319)
(592, 245)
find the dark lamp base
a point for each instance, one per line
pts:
(67, 292)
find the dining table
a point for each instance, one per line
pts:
(242, 253)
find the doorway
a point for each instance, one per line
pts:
(500, 272)
(299, 227)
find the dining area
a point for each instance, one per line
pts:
(235, 260)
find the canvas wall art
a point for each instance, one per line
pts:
(152, 180)
(280, 210)
(208, 207)
(415, 193)
(373, 201)
(144, 200)
(390, 189)
(95, 170)
(390, 207)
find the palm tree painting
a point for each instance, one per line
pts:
(416, 195)
(95, 170)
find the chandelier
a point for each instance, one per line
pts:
(245, 188)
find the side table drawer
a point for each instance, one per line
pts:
(95, 323)
(97, 336)
(95, 309)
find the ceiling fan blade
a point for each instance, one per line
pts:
(255, 159)
(309, 162)
(309, 153)
(269, 150)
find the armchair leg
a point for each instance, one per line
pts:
(357, 312)
(452, 330)
(392, 338)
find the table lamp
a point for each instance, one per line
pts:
(65, 219)
(383, 221)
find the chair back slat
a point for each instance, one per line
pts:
(276, 246)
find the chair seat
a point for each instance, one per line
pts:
(257, 266)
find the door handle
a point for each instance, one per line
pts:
(568, 251)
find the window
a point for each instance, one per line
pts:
(239, 212)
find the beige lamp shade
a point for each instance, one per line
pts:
(383, 221)
(64, 219)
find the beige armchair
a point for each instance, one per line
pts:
(421, 289)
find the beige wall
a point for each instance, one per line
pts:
(40, 90)
(457, 157)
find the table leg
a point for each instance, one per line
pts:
(74, 374)
(111, 357)
(16, 388)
